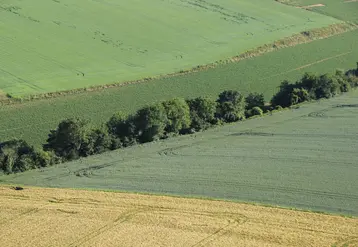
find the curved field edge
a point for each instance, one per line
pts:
(274, 160)
(301, 38)
(132, 218)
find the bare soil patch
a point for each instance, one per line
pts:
(311, 6)
(64, 217)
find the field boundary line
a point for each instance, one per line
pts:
(293, 40)
(307, 65)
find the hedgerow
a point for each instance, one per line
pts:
(75, 138)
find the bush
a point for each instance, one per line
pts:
(178, 115)
(202, 113)
(68, 139)
(255, 99)
(231, 106)
(299, 95)
(150, 122)
(282, 97)
(97, 141)
(122, 129)
(16, 156)
(255, 111)
(326, 86)
(44, 159)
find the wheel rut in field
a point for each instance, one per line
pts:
(232, 219)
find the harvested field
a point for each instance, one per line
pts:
(60, 217)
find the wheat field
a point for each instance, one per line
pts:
(64, 217)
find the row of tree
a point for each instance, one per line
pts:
(75, 138)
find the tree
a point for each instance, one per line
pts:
(178, 115)
(97, 141)
(255, 99)
(326, 86)
(150, 122)
(308, 81)
(231, 106)
(67, 140)
(282, 97)
(44, 159)
(122, 128)
(255, 111)
(16, 156)
(202, 113)
(299, 95)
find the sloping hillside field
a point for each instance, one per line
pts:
(33, 120)
(304, 158)
(49, 46)
(341, 9)
(59, 217)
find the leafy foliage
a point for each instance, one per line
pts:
(123, 130)
(151, 122)
(231, 106)
(255, 111)
(202, 113)
(255, 99)
(178, 115)
(74, 138)
(18, 156)
(68, 140)
(97, 141)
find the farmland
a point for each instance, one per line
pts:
(93, 218)
(33, 120)
(345, 10)
(85, 43)
(302, 158)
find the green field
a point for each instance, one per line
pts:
(304, 158)
(33, 120)
(49, 46)
(345, 10)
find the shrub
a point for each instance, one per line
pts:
(97, 141)
(255, 111)
(150, 122)
(282, 97)
(178, 115)
(255, 99)
(122, 129)
(326, 86)
(16, 156)
(231, 106)
(202, 113)
(44, 159)
(299, 95)
(68, 139)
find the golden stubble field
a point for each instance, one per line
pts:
(64, 217)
